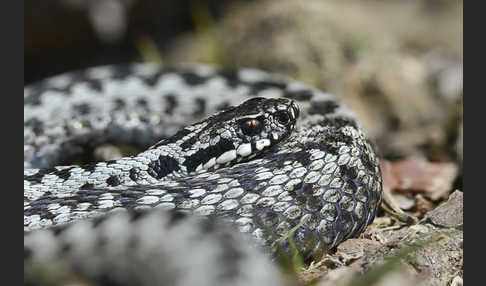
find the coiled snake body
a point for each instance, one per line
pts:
(286, 161)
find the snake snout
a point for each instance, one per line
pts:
(288, 113)
(293, 110)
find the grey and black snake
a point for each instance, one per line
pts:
(282, 160)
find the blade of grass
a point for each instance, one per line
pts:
(148, 49)
(207, 29)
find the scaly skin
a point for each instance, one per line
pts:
(324, 179)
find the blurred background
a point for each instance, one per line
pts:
(398, 64)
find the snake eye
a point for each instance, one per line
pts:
(283, 117)
(251, 126)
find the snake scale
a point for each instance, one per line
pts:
(224, 149)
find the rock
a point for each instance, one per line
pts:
(355, 248)
(421, 254)
(450, 213)
(434, 256)
(338, 274)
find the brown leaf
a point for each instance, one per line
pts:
(416, 174)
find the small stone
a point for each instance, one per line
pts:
(355, 248)
(450, 213)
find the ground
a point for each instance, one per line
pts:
(402, 74)
(397, 64)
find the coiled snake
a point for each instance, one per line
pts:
(286, 161)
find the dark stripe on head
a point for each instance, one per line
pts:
(204, 155)
(189, 143)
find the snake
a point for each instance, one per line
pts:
(236, 168)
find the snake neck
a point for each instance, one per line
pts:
(145, 168)
(228, 137)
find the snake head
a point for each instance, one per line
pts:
(263, 122)
(241, 132)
